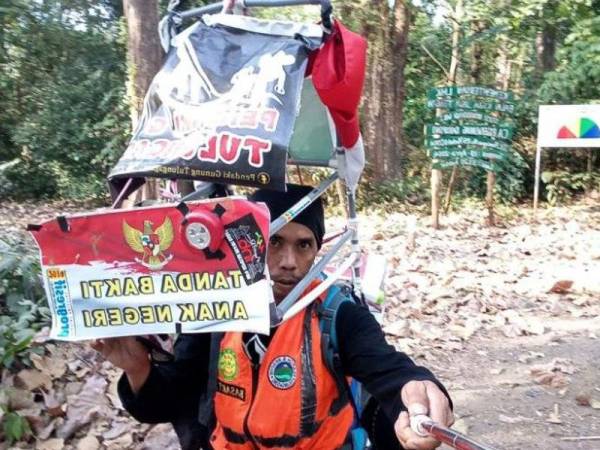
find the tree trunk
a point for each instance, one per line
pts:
(144, 58)
(399, 54)
(387, 33)
(372, 107)
(377, 117)
(503, 65)
(489, 198)
(479, 26)
(456, 23)
(450, 189)
(545, 46)
(545, 49)
(144, 53)
(436, 174)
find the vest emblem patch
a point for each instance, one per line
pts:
(282, 372)
(228, 364)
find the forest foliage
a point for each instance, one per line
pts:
(64, 112)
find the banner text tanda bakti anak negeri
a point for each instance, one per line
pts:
(136, 272)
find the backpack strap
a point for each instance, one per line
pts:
(206, 414)
(328, 310)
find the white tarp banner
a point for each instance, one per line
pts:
(569, 126)
(143, 271)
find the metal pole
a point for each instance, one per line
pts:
(423, 426)
(204, 191)
(536, 186)
(119, 199)
(216, 7)
(353, 226)
(311, 296)
(301, 205)
(316, 270)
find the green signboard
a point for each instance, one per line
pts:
(471, 105)
(476, 141)
(483, 163)
(471, 116)
(501, 132)
(453, 153)
(473, 128)
(462, 91)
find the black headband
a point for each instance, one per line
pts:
(279, 202)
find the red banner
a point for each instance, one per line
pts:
(197, 267)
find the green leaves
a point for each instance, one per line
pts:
(24, 310)
(577, 77)
(62, 114)
(14, 427)
(562, 186)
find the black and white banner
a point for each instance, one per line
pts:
(223, 106)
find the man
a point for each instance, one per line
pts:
(275, 391)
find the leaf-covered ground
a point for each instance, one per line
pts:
(508, 317)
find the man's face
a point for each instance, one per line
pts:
(292, 251)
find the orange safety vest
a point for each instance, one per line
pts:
(287, 401)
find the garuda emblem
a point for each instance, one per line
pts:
(151, 244)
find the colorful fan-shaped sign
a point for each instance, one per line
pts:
(584, 128)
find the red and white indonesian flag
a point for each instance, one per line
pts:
(157, 270)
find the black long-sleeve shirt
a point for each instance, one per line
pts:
(173, 389)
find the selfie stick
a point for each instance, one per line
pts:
(424, 426)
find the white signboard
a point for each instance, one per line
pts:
(569, 126)
(565, 126)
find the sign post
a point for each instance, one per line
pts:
(560, 126)
(536, 187)
(475, 128)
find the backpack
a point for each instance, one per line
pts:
(352, 390)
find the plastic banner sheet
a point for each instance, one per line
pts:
(222, 108)
(167, 269)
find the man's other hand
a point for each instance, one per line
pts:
(128, 354)
(422, 397)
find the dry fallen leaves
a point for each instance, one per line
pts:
(54, 365)
(526, 358)
(51, 444)
(91, 403)
(88, 443)
(553, 373)
(54, 407)
(18, 399)
(562, 287)
(124, 441)
(31, 379)
(161, 436)
(583, 399)
(461, 426)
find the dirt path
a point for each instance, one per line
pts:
(499, 403)
(477, 306)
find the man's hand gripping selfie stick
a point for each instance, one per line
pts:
(424, 426)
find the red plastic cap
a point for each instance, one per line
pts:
(338, 74)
